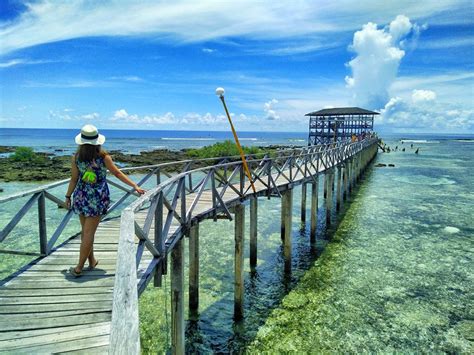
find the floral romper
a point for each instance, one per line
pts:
(91, 198)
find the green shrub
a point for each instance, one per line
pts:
(26, 154)
(221, 149)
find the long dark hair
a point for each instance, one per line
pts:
(87, 152)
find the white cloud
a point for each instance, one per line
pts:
(129, 78)
(19, 61)
(47, 21)
(270, 113)
(401, 114)
(400, 27)
(195, 119)
(378, 56)
(208, 50)
(423, 95)
(64, 115)
(90, 116)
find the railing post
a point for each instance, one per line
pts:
(253, 231)
(314, 210)
(177, 298)
(43, 237)
(239, 262)
(194, 272)
(159, 242)
(124, 328)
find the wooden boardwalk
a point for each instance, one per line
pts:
(43, 309)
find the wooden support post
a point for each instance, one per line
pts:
(159, 242)
(349, 176)
(286, 209)
(194, 272)
(314, 211)
(303, 202)
(338, 188)
(253, 231)
(239, 262)
(325, 186)
(177, 298)
(43, 237)
(329, 198)
(345, 183)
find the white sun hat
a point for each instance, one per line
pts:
(90, 135)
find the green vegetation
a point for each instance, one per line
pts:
(221, 149)
(26, 154)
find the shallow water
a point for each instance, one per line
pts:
(396, 275)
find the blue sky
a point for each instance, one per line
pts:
(155, 65)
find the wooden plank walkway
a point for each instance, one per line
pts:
(44, 309)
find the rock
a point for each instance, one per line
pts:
(1, 190)
(451, 230)
(391, 165)
(380, 165)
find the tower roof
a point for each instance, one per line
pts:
(342, 111)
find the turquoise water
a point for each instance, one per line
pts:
(395, 275)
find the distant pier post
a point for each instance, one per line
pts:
(303, 202)
(194, 272)
(253, 231)
(338, 188)
(177, 298)
(344, 178)
(239, 262)
(314, 210)
(329, 178)
(286, 214)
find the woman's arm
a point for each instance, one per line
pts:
(72, 182)
(121, 176)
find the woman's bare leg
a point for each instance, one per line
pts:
(91, 258)
(87, 241)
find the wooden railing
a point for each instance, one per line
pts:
(39, 196)
(172, 216)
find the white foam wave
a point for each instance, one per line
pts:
(187, 139)
(419, 141)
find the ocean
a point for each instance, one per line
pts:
(61, 141)
(394, 274)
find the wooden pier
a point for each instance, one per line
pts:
(43, 309)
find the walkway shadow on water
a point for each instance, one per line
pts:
(265, 289)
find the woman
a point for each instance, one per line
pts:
(91, 192)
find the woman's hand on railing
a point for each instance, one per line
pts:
(139, 189)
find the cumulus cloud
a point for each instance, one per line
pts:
(194, 119)
(378, 56)
(65, 115)
(423, 95)
(423, 113)
(270, 113)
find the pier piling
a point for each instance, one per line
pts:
(314, 210)
(303, 202)
(253, 232)
(286, 214)
(338, 188)
(239, 262)
(177, 298)
(194, 272)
